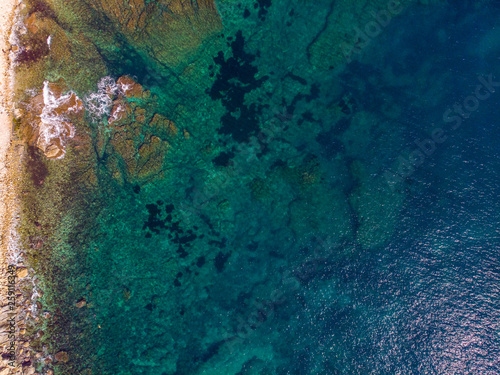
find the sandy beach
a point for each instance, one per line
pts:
(6, 18)
(9, 170)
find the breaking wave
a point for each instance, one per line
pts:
(99, 104)
(54, 124)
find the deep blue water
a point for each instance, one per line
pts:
(427, 302)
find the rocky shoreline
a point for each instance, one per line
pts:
(14, 294)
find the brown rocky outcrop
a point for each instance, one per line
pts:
(49, 119)
(162, 125)
(120, 112)
(130, 88)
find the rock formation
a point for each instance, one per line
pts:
(138, 141)
(169, 31)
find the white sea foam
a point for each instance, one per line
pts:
(15, 256)
(125, 88)
(14, 249)
(99, 103)
(35, 295)
(116, 114)
(53, 125)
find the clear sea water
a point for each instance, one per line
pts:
(291, 233)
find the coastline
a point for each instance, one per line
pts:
(10, 164)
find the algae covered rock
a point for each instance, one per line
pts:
(133, 159)
(136, 141)
(62, 357)
(221, 170)
(169, 31)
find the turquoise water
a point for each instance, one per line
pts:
(304, 212)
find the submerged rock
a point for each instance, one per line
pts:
(137, 142)
(280, 196)
(62, 357)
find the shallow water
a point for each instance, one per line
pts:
(285, 215)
